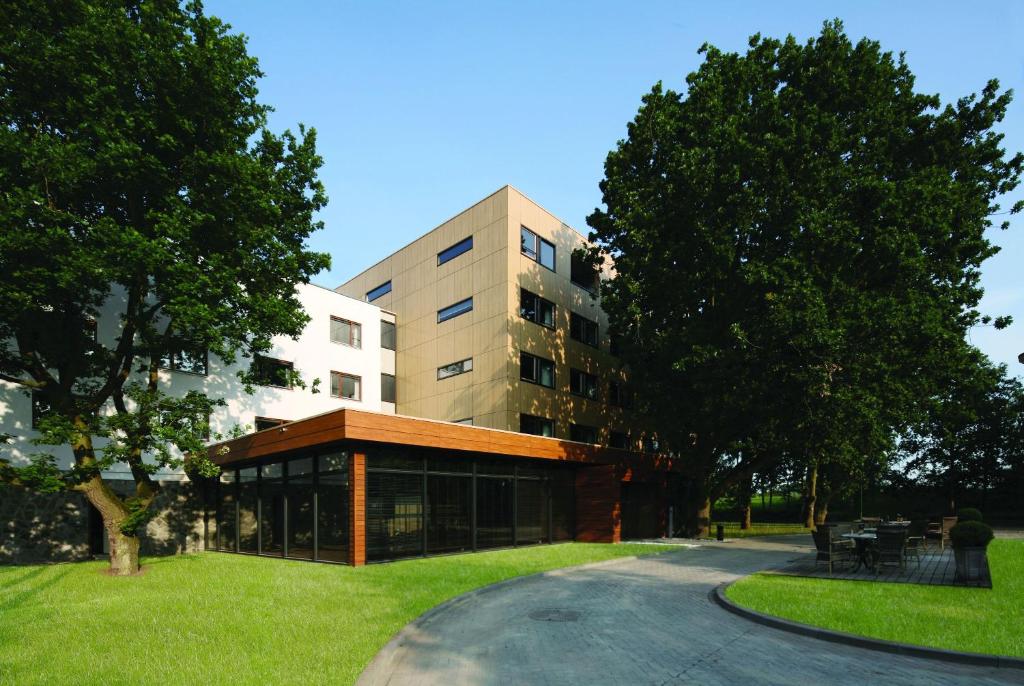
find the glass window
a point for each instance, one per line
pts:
(537, 426)
(227, 513)
(455, 368)
(547, 254)
(582, 273)
(346, 386)
(528, 242)
(387, 388)
(465, 245)
(536, 248)
(494, 507)
(536, 309)
(300, 508)
(452, 311)
(190, 361)
(449, 513)
(346, 332)
(619, 395)
(332, 507)
(248, 496)
(388, 335)
(536, 370)
(582, 384)
(618, 439)
(650, 444)
(562, 484)
(467, 420)
(270, 372)
(272, 509)
(377, 292)
(263, 423)
(582, 433)
(395, 458)
(394, 515)
(531, 511)
(583, 330)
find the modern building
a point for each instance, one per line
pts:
(500, 326)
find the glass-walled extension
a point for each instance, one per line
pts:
(418, 502)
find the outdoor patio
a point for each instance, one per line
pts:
(937, 567)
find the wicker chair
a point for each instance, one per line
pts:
(892, 547)
(831, 548)
(940, 532)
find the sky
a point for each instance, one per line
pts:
(422, 109)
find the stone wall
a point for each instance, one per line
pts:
(38, 527)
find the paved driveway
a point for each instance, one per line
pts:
(647, 621)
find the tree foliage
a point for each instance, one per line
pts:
(797, 242)
(137, 175)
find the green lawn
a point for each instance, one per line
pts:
(733, 530)
(234, 619)
(969, 619)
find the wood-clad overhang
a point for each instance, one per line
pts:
(397, 430)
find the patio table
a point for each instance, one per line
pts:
(865, 549)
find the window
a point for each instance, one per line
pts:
(582, 434)
(582, 384)
(467, 421)
(618, 439)
(347, 333)
(271, 372)
(536, 248)
(192, 362)
(387, 388)
(377, 292)
(651, 444)
(346, 386)
(536, 370)
(455, 368)
(452, 311)
(582, 329)
(619, 395)
(465, 245)
(388, 335)
(582, 273)
(268, 423)
(536, 309)
(536, 426)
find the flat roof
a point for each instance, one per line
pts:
(389, 429)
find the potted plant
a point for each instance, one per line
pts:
(969, 514)
(970, 542)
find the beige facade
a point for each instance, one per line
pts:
(493, 333)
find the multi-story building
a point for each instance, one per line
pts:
(500, 325)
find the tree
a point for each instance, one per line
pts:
(138, 176)
(800, 230)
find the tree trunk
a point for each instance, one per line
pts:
(124, 553)
(701, 525)
(811, 496)
(820, 511)
(744, 495)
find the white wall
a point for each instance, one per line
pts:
(313, 354)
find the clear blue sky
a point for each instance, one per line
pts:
(424, 108)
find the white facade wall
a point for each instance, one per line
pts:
(313, 354)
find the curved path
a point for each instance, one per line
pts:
(644, 621)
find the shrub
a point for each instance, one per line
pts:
(970, 514)
(971, 535)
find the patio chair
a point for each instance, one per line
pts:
(916, 540)
(869, 522)
(892, 547)
(940, 531)
(831, 548)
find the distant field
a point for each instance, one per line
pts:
(733, 530)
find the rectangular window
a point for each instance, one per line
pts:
(268, 423)
(582, 273)
(536, 426)
(377, 292)
(619, 395)
(346, 386)
(536, 370)
(346, 332)
(271, 372)
(191, 362)
(536, 309)
(467, 421)
(455, 368)
(618, 439)
(387, 388)
(388, 335)
(583, 330)
(452, 311)
(582, 434)
(536, 248)
(463, 246)
(583, 384)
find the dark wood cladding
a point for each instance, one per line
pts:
(357, 509)
(598, 504)
(348, 424)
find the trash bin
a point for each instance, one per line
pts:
(720, 532)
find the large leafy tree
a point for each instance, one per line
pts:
(797, 241)
(137, 177)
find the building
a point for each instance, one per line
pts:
(500, 326)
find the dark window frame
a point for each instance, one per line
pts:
(536, 251)
(614, 442)
(268, 422)
(538, 303)
(453, 251)
(343, 375)
(453, 310)
(619, 395)
(378, 292)
(589, 391)
(463, 369)
(354, 341)
(590, 432)
(535, 364)
(540, 420)
(173, 363)
(576, 267)
(579, 326)
(385, 325)
(394, 388)
(259, 360)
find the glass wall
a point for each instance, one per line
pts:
(300, 508)
(227, 512)
(248, 510)
(272, 511)
(332, 507)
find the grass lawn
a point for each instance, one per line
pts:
(235, 619)
(969, 619)
(733, 530)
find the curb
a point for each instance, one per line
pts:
(975, 659)
(377, 671)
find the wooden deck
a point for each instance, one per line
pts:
(937, 568)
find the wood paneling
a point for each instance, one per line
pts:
(598, 505)
(357, 509)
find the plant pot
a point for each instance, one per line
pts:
(971, 563)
